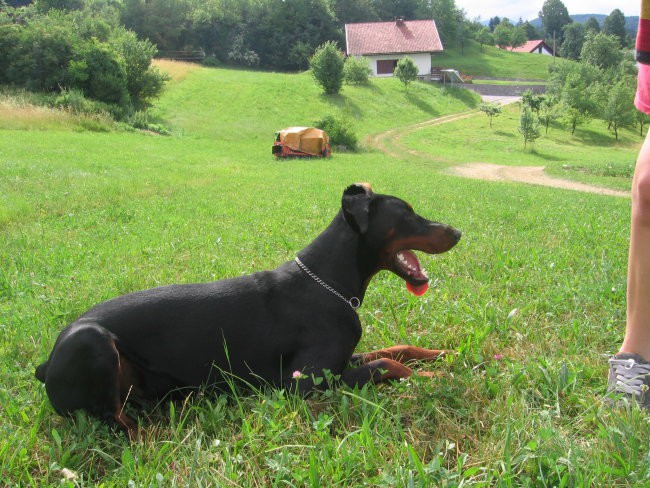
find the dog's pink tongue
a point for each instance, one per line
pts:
(417, 290)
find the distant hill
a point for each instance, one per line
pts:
(630, 22)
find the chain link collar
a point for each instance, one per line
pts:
(354, 302)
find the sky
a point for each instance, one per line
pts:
(528, 9)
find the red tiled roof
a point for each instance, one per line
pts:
(530, 46)
(407, 36)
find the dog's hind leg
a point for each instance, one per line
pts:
(84, 371)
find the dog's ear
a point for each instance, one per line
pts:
(356, 205)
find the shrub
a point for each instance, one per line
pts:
(211, 61)
(143, 81)
(327, 67)
(356, 71)
(99, 74)
(74, 101)
(340, 131)
(140, 120)
(406, 71)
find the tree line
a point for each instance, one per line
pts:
(557, 29)
(102, 49)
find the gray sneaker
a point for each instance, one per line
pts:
(629, 375)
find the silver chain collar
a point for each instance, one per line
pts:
(354, 302)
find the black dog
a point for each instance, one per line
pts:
(282, 327)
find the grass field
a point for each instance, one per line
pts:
(532, 298)
(494, 62)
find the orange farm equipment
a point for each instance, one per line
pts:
(301, 142)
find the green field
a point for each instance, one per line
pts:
(532, 298)
(494, 62)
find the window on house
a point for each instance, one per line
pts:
(386, 66)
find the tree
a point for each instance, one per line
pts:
(616, 111)
(502, 35)
(578, 94)
(351, 11)
(592, 25)
(528, 125)
(574, 38)
(490, 109)
(447, 18)
(614, 25)
(485, 37)
(327, 67)
(554, 17)
(161, 21)
(601, 50)
(549, 111)
(532, 100)
(46, 5)
(641, 119)
(493, 22)
(517, 37)
(575, 87)
(406, 71)
(391, 9)
(531, 31)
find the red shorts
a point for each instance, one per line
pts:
(642, 100)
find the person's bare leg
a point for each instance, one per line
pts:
(637, 330)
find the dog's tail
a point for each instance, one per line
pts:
(41, 371)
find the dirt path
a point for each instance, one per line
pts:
(533, 175)
(389, 142)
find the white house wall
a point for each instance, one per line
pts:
(421, 60)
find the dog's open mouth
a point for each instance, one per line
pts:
(407, 266)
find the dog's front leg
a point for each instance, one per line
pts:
(376, 371)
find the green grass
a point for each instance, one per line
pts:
(253, 104)
(494, 62)
(532, 299)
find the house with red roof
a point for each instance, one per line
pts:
(537, 46)
(385, 43)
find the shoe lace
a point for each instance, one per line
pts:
(630, 375)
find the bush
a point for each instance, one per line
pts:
(74, 101)
(356, 71)
(47, 53)
(99, 74)
(327, 67)
(140, 120)
(143, 81)
(406, 71)
(340, 132)
(211, 61)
